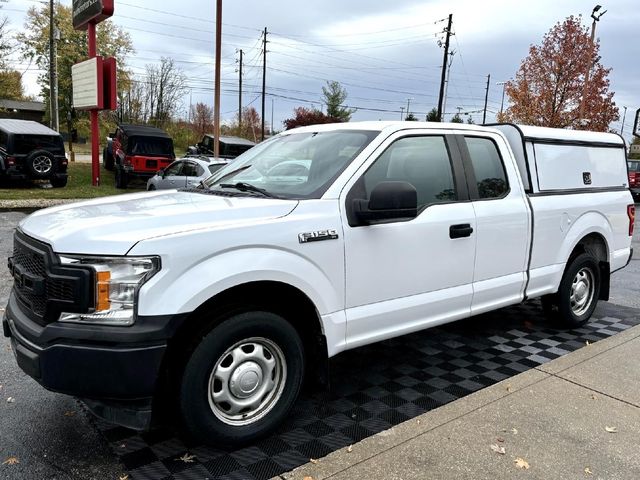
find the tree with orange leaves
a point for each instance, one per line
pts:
(548, 87)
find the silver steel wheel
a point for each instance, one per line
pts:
(582, 291)
(247, 381)
(42, 164)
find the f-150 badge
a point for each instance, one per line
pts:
(317, 236)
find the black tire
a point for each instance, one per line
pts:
(122, 179)
(203, 416)
(40, 164)
(151, 188)
(581, 273)
(59, 182)
(107, 160)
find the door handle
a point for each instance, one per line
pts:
(460, 231)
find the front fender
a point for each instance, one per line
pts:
(167, 293)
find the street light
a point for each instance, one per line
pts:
(503, 87)
(596, 18)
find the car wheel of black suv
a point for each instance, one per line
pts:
(122, 179)
(577, 296)
(40, 164)
(242, 379)
(107, 160)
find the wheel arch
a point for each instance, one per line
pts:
(277, 297)
(595, 244)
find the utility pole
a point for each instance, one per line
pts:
(264, 75)
(216, 96)
(585, 87)
(624, 117)
(486, 100)
(446, 84)
(504, 84)
(444, 67)
(408, 103)
(53, 92)
(240, 93)
(272, 103)
(401, 113)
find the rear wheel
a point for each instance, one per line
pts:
(577, 296)
(40, 164)
(151, 188)
(241, 379)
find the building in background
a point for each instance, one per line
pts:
(22, 110)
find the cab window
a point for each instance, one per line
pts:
(490, 175)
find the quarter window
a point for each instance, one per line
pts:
(424, 162)
(487, 166)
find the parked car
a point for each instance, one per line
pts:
(219, 301)
(140, 151)
(31, 151)
(185, 172)
(230, 147)
(634, 178)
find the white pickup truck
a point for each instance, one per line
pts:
(215, 302)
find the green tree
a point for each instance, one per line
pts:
(470, 120)
(112, 41)
(334, 97)
(11, 85)
(456, 119)
(432, 116)
(411, 117)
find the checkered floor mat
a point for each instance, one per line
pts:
(374, 388)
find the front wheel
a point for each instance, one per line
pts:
(122, 179)
(577, 296)
(242, 379)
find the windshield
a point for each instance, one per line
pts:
(298, 165)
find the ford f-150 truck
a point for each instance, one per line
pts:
(216, 302)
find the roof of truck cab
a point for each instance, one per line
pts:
(527, 130)
(143, 131)
(25, 127)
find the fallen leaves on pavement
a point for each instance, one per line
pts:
(11, 400)
(70, 413)
(588, 471)
(307, 478)
(498, 449)
(521, 463)
(314, 461)
(11, 461)
(611, 429)
(350, 449)
(123, 477)
(186, 458)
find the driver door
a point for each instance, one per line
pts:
(402, 276)
(173, 177)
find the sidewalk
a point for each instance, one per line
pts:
(577, 417)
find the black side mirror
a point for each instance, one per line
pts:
(388, 201)
(161, 172)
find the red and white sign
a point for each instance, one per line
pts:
(90, 11)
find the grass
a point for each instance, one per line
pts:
(78, 186)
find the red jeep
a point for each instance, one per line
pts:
(140, 151)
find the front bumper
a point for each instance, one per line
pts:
(115, 370)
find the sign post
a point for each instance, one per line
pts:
(90, 78)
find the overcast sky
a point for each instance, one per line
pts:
(385, 53)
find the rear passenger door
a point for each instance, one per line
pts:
(401, 275)
(502, 219)
(191, 171)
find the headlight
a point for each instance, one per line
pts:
(117, 282)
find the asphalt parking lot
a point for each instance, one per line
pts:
(374, 388)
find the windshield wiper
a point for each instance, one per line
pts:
(247, 187)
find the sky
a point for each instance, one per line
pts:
(387, 54)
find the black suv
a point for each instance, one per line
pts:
(230, 147)
(31, 151)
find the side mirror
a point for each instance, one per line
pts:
(388, 201)
(161, 172)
